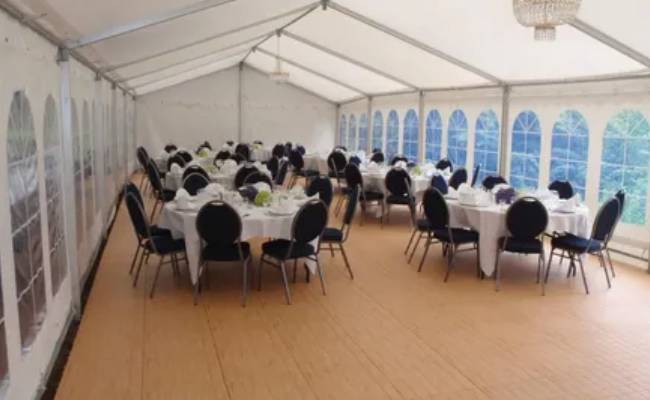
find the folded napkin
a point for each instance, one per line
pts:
(182, 194)
(401, 164)
(229, 165)
(176, 169)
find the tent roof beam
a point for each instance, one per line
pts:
(413, 42)
(293, 85)
(348, 59)
(312, 71)
(608, 40)
(146, 22)
(241, 28)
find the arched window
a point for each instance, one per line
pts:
(88, 167)
(363, 133)
(411, 135)
(433, 147)
(457, 135)
(53, 173)
(343, 127)
(392, 135)
(569, 150)
(486, 145)
(378, 131)
(624, 163)
(526, 147)
(352, 133)
(25, 219)
(78, 184)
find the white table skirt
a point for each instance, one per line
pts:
(174, 179)
(256, 222)
(490, 223)
(316, 162)
(261, 155)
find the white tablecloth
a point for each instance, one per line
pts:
(490, 222)
(261, 154)
(375, 180)
(256, 222)
(316, 162)
(174, 179)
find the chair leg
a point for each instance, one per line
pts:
(135, 258)
(145, 254)
(285, 281)
(450, 260)
(345, 259)
(332, 249)
(548, 269)
(540, 266)
(415, 247)
(259, 273)
(295, 269)
(582, 271)
(497, 272)
(321, 275)
(153, 210)
(426, 251)
(155, 277)
(603, 263)
(611, 265)
(408, 245)
(244, 293)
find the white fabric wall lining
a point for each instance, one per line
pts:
(207, 109)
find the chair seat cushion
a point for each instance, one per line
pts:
(576, 244)
(423, 224)
(158, 231)
(167, 195)
(332, 235)
(278, 249)
(165, 245)
(373, 196)
(521, 245)
(460, 235)
(405, 200)
(230, 252)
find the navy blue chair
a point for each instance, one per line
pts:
(354, 179)
(334, 238)
(444, 164)
(439, 182)
(282, 173)
(397, 159)
(620, 196)
(161, 195)
(242, 173)
(377, 157)
(308, 225)
(256, 177)
(195, 182)
(458, 178)
(221, 156)
(195, 169)
(564, 189)
(186, 156)
(297, 168)
(574, 246)
(222, 240)
(273, 164)
(176, 159)
(398, 184)
(244, 151)
(491, 181)
(170, 148)
(322, 186)
(477, 169)
(526, 221)
(278, 151)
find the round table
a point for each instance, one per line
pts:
(490, 223)
(174, 179)
(256, 222)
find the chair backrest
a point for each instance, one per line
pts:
(138, 216)
(444, 164)
(439, 182)
(377, 157)
(278, 150)
(230, 142)
(243, 150)
(201, 148)
(323, 186)
(170, 148)
(310, 221)
(301, 149)
(258, 176)
(491, 181)
(477, 169)
(351, 209)
(217, 223)
(242, 174)
(353, 175)
(258, 142)
(238, 158)
(222, 155)
(273, 164)
(435, 209)
(620, 196)
(296, 160)
(282, 172)
(131, 188)
(175, 159)
(207, 145)
(397, 159)
(355, 160)
(195, 169)
(526, 218)
(187, 157)
(194, 182)
(154, 176)
(605, 220)
(142, 156)
(564, 189)
(398, 182)
(458, 178)
(337, 162)
(288, 148)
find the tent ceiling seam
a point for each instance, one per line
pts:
(610, 41)
(414, 42)
(314, 72)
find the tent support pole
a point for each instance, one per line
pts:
(413, 42)
(369, 132)
(337, 124)
(69, 225)
(421, 122)
(505, 116)
(240, 101)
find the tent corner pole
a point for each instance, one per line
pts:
(369, 127)
(69, 225)
(337, 124)
(240, 100)
(505, 116)
(421, 122)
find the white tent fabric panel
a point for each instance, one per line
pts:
(192, 73)
(486, 35)
(302, 78)
(191, 28)
(371, 46)
(343, 71)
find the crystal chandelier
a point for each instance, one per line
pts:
(278, 75)
(545, 15)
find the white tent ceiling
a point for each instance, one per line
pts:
(349, 49)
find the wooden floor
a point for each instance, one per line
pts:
(392, 333)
